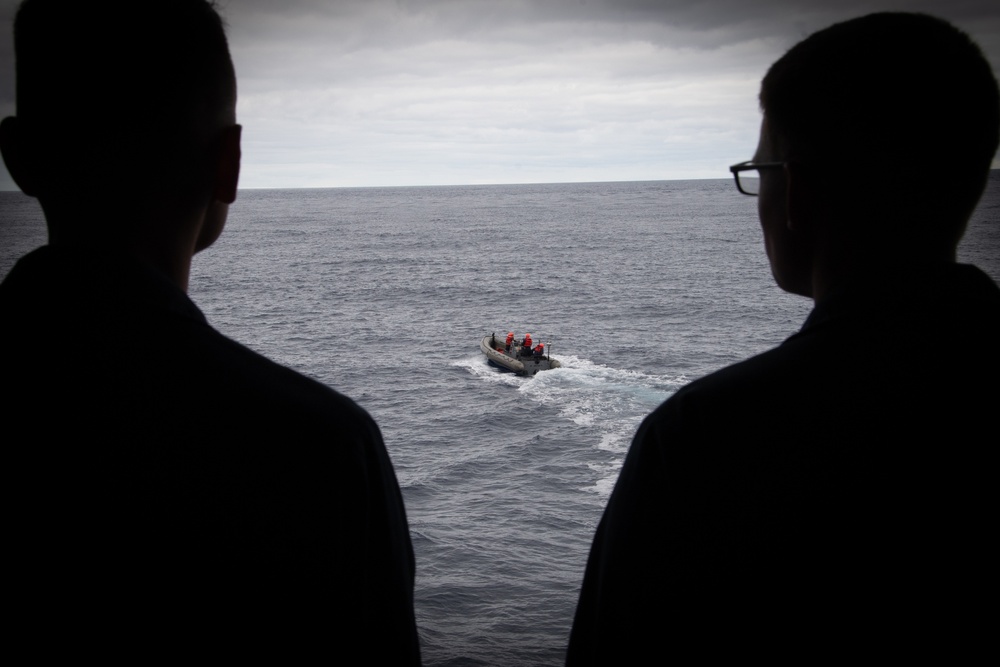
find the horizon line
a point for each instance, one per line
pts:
(461, 185)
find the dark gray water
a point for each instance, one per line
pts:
(383, 293)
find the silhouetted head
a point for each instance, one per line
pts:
(894, 117)
(120, 103)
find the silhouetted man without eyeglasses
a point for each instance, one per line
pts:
(168, 491)
(835, 496)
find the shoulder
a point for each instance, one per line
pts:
(736, 391)
(122, 337)
(268, 394)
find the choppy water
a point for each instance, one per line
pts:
(383, 293)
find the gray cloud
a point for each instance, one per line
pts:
(407, 92)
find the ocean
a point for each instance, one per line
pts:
(384, 294)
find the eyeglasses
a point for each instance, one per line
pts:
(747, 175)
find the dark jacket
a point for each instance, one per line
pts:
(169, 490)
(832, 497)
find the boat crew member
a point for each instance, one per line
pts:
(510, 339)
(539, 349)
(527, 341)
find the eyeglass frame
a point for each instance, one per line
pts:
(748, 166)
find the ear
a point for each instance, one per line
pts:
(227, 177)
(17, 156)
(801, 197)
(227, 167)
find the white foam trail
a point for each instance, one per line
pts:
(606, 401)
(478, 366)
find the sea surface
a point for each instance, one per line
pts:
(384, 293)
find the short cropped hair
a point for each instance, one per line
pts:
(905, 101)
(112, 89)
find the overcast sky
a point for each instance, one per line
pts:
(432, 92)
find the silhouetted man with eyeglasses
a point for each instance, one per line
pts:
(832, 498)
(170, 495)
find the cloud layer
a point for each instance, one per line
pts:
(425, 92)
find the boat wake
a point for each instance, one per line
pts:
(606, 404)
(478, 366)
